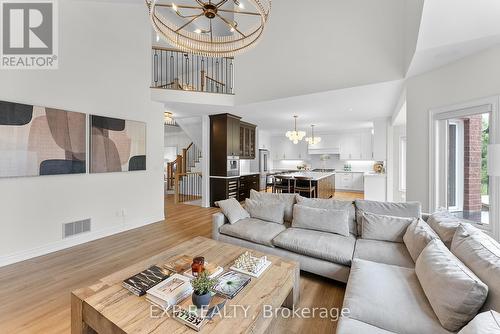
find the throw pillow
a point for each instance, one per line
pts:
(325, 220)
(483, 323)
(232, 209)
(384, 228)
(323, 203)
(408, 209)
(445, 225)
(287, 199)
(417, 236)
(481, 254)
(455, 293)
(268, 211)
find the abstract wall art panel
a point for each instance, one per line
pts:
(40, 141)
(116, 145)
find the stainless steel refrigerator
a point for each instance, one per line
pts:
(264, 157)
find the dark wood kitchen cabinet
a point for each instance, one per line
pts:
(223, 188)
(247, 140)
(247, 183)
(224, 142)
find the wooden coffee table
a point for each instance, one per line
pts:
(107, 307)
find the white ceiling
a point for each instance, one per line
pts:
(321, 45)
(453, 29)
(343, 109)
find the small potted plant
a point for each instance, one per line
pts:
(202, 285)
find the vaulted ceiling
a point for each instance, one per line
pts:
(342, 63)
(322, 45)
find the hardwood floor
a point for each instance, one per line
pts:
(35, 294)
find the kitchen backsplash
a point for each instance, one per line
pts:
(333, 161)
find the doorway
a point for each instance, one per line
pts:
(459, 177)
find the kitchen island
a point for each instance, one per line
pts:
(324, 182)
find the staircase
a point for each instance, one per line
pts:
(184, 175)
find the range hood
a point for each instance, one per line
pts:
(324, 150)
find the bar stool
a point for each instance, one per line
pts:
(302, 188)
(282, 184)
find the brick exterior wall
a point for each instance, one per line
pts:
(472, 164)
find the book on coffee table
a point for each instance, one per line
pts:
(189, 318)
(145, 280)
(170, 292)
(230, 284)
(212, 269)
(179, 264)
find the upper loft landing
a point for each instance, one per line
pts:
(188, 78)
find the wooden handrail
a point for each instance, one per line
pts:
(217, 82)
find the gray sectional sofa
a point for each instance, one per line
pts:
(386, 291)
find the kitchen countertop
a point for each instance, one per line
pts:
(234, 177)
(349, 171)
(375, 174)
(316, 176)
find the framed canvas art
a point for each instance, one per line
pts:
(116, 145)
(40, 141)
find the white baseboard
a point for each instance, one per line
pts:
(72, 241)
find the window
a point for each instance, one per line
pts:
(402, 164)
(461, 182)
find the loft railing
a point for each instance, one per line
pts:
(174, 69)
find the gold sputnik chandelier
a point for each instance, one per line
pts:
(220, 28)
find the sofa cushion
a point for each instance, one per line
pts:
(408, 209)
(232, 209)
(254, 230)
(481, 254)
(287, 199)
(269, 211)
(444, 224)
(323, 203)
(322, 245)
(386, 252)
(389, 297)
(324, 220)
(417, 236)
(348, 325)
(484, 323)
(384, 228)
(454, 291)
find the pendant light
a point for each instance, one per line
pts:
(313, 140)
(295, 136)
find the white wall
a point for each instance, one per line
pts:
(470, 78)
(174, 136)
(104, 69)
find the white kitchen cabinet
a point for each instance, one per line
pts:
(284, 149)
(358, 181)
(366, 145)
(329, 144)
(350, 146)
(350, 181)
(375, 187)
